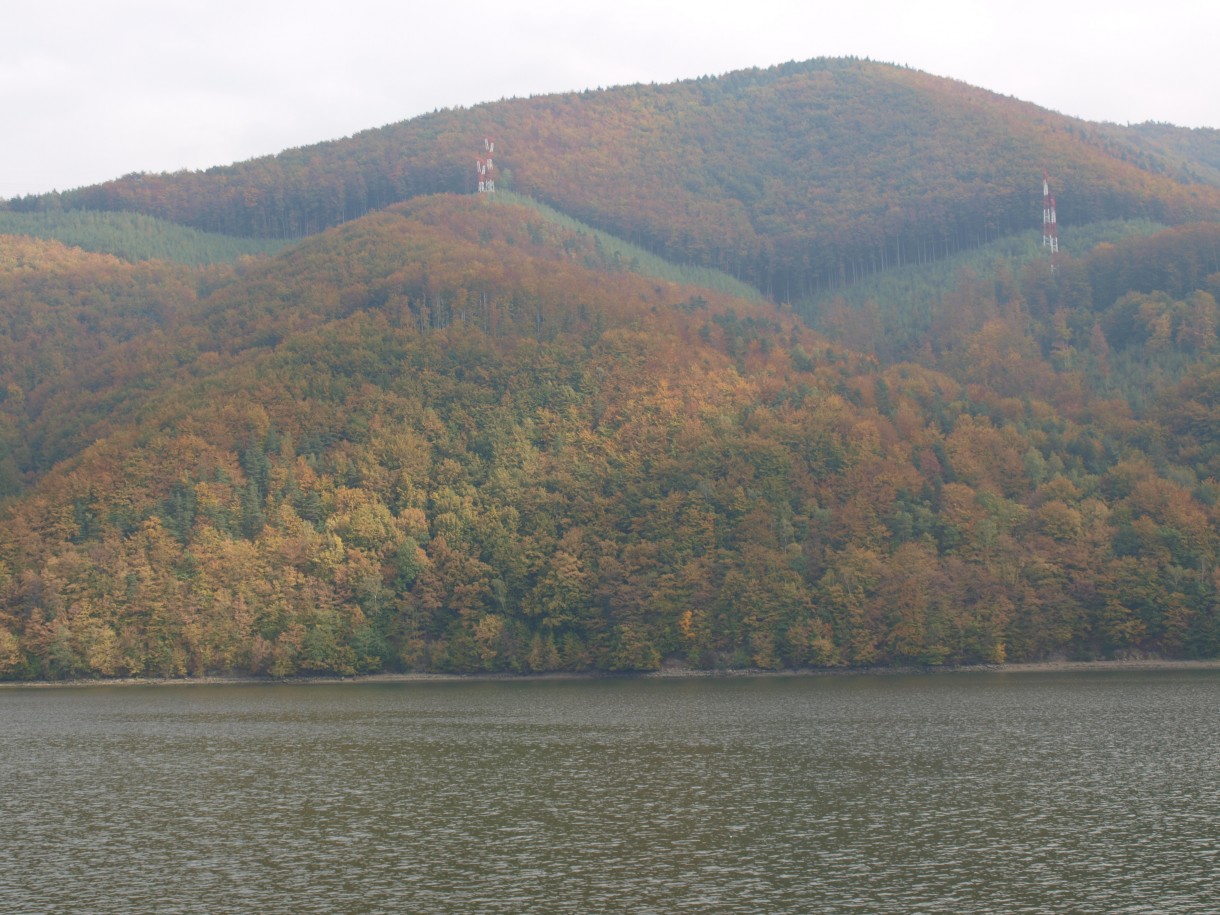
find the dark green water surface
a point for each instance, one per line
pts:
(1082, 792)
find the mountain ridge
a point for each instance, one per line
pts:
(794, 178)
(467, 434)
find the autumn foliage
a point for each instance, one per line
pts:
(454, 435)
(796, 178)
(444, 433)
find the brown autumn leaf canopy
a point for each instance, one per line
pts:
(468, 435)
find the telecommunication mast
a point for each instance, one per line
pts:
(485, 167)
(1050, 226)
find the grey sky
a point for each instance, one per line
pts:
(93, 90)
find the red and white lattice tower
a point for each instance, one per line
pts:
(485, 167)
(1050, 226)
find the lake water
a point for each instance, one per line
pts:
(1081, 792)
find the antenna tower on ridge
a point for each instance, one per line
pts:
(485, 168)
(1050, 226)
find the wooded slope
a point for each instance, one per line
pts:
(796, 179)
(456, 435)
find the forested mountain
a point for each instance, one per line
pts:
(1191, 154)
(796, 178)
(465, 433)
(134, 237)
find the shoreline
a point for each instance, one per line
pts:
(665, 673)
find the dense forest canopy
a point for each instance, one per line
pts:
(1189, 154)
(795, 178)
(458, 433)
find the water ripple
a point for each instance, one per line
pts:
(1038, 793)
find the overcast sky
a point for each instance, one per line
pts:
(93, 89)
